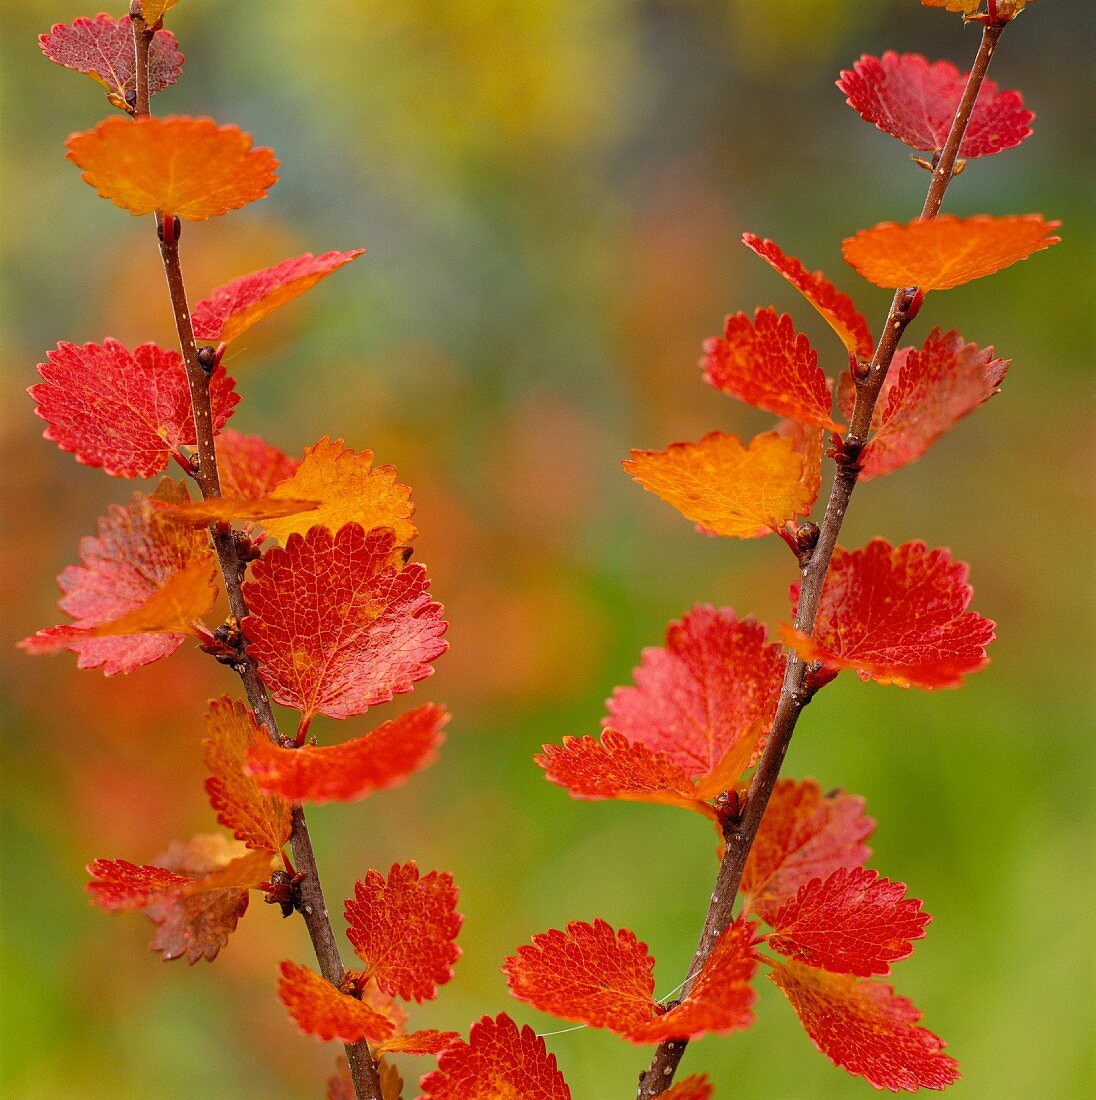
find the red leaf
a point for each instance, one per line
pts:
(945, 252)
(135, 552)
(321, 1010)
(704, 693)
(382, 758)
(695, 1087)
(928, 391)
(335, 626)
(233, 308)
(614, 767)
(403, 929)
(140, 399)
(261, 821)
(497, 1063)
(804, 835)
(189, 167)
(896, 615)
(196, 893)
(836, 308)
(852, 923)
(866, 1029)
(103, 48)
(721, 999)
(915, 101)
(603, 978)
(249, 467)
(766, 363)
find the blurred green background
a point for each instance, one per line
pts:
(551, 195)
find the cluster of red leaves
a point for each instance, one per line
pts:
(836, 924)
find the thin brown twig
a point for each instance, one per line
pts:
(312, 905)
(797, 691)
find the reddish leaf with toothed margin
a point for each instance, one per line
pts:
(260, 820)
(616, 768)
(135, 552)
(928, 391)
(320, 1009)
(382, 758)
(897, 615)
(233, 308)
(704, 693)
(804, 835)
(351, 490)
(726, 487)
(196, 892)
(915, 101)
(836, 308)
(852, 923)
(946, 251)
(189, 167)
(249, 467)
(865, 1028)
(498, 1062)
(694, 1087)
(336, 625)
(766, 363)
(140, 398)
(403, 929)
(604, 978)
(103, 49)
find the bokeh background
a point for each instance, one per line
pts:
(551, 195)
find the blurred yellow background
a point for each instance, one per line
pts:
(551, 195)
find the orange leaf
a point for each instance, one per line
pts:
(249, 466)
(201, 513)
(804, 835)
(233, 308)
(403, 929)
(321, 1010)
(866, 1029)
(946, 251)
(427, 1041)
(350, 490)
(766, 363)
(186, 166)
(136, 551)
(336, 627)
(694, 1087)
(726, 487)
(1006, 9)
(152, 11)
(898, 616)
(342, 773)
(498, 1062)
(260, 821)
(836, 308)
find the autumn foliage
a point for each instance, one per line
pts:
(327, 614)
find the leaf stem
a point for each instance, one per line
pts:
(313, 907)
(740, 833)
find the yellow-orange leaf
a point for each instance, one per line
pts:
(726, 487)
(183, 599)
(186, 166)
(152, 11)
(1006, 9)
(350, 490)
(201, 513)
(946, 251)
